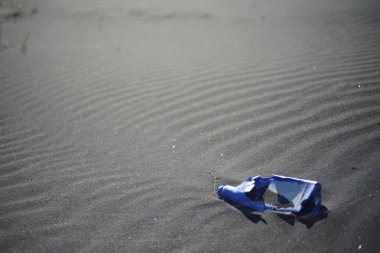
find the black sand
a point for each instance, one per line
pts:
(113, 114)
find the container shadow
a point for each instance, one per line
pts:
(307, 220)
(247, 212)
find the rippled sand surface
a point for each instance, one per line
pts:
(116, 116)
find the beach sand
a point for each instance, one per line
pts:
(116, 117)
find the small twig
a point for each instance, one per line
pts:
(101, 21)
(1, 44)
(215, 181)
(23, 46)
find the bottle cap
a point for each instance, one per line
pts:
(220, 191)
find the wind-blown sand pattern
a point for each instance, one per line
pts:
(116, 117)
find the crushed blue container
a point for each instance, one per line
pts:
(280, 194)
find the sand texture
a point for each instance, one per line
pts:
(117, 118)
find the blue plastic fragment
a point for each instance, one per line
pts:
(280, 194)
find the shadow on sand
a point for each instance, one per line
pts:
(308, 221)
(247, 212)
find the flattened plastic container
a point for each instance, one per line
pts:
(278, 194)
